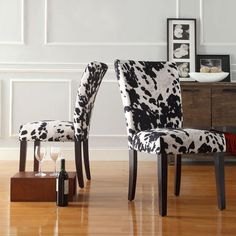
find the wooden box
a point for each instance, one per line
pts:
(26, 187)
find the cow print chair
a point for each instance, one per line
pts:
(68, 131)
(151, 97)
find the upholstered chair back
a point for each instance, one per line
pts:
(151, 95)
(87, 91)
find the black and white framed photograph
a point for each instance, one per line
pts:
(181, 50)
(183, 68)
(181, 45)
(181, 31)
(213, 64)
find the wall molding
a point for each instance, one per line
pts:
(139, 44)
(202, 41)
(54, 67)
(12, 81)
(62, 67)
(177, 8)
(22, 37)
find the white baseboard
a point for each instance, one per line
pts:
(98, 155)
(68, 153)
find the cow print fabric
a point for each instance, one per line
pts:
(55, 130)
(178, 141)
(151, 97)
(48, 130)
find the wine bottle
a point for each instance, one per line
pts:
(62, 186)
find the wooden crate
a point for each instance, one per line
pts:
(26, 187)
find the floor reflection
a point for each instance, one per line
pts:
(48, 219)
(102, 208)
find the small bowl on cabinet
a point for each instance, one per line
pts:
(208, 77)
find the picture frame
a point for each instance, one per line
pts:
(222, 62)
(181, 45)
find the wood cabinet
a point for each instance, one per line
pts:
(208, 104)
(224, 106)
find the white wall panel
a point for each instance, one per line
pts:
(108, 115)
(218, 19)
(107, 21)
(11, 21)
(53, 40)
(33, 100)
(0, 108)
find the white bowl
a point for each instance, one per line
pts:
(208, 77)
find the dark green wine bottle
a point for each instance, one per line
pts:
(62, 186)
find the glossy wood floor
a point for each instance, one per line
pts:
(102, 207)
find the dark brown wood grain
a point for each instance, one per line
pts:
(196, 106)
(224, 106)
(209, 104)
(26, 187)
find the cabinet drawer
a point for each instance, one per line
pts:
(224, 106)
(196, 107)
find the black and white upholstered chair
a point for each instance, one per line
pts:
(151, 97)
(68, 131)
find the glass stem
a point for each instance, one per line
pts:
(40, 168)
(55, 167)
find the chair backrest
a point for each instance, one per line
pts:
(87, 91)
(150, 94)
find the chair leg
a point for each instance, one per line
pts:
(36, 163)
(162, 183)
(177, 174)
(132, 174)
(23, 152)
(86, 159)
(220, 179)
(78, 163)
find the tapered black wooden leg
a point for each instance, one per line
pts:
(23, 152)
(132, 174)
(220, 179)
(86, 159)
(36, 163)
(162, 183)
(177, 174)
(78, 163)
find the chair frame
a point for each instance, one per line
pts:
(129, 67)
(81, 138)
(78, 159)
(162, 176)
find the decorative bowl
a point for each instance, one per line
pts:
(208, 77)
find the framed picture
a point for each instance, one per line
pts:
(181, 45)
(214, 63)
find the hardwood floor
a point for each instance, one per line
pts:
(102, 207)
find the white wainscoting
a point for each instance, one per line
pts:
(48, 43)
(216, 17)
(109, 18)
(12, 14)
(38, 99)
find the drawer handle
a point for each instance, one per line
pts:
(229, 90)
(191, 90)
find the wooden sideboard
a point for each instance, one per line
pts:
(207, 105)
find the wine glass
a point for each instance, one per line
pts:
(55, 152)
(40, 154)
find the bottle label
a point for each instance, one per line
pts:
(66, 187)
(57, 184)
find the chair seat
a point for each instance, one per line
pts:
(47, 130)
(178, 141)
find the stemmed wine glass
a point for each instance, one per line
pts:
(40, 154)
(55, 152)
